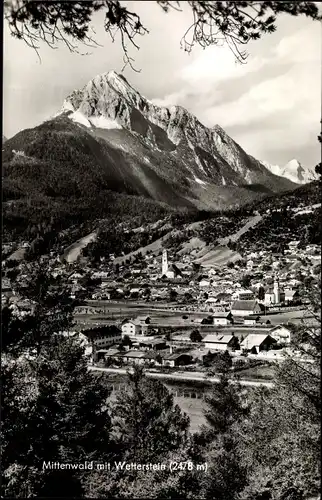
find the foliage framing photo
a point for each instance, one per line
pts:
(212, 23)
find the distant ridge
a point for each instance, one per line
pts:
(294, 171)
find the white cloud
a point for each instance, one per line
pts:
(287, 92)
(216, 64)
(279, 103)
(303, 46)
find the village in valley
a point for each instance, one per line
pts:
(167, 312)
(184, 321)
(161, 250)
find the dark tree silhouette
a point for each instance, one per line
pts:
(318, 168)
(195, 336)
(212, 23)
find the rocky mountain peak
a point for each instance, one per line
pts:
(294, 171)
(108, 101)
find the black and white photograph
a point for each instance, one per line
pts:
(161, 250)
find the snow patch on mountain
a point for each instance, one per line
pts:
(199, 181)
(200, 165)
(103, 122)
(78, 117)
(67, 106)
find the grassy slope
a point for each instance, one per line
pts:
(219, 255)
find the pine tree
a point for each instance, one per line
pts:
(218, 441)
(146, 422)
(53, 408)
(51, 310)
(63, 417)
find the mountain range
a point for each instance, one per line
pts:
(108, 138)
(192, 154)
(293, 171)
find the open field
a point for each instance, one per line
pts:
(72, 252)
(204, 254)
(18, 254)
(154, 247)
(292, 316)
(110, 312)
(257, 372)
(194, 409)
(159, 317)
(251, 222)
(218, 256)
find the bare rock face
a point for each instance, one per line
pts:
(108, 142)
(201, 154)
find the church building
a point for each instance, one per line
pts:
(274, 295)
(171, 271)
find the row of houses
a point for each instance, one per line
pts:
(157, 351)
(141, 357)
(253, 343)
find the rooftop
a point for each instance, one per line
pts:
(218, 339)
(221, 314)
(152, 341)
(254, 340)
(244, 305)
(139, 354)
(176, 355)
(110, 352)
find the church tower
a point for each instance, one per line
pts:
(165, 265)
(277, 291)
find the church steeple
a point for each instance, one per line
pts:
(276, 291)
(165, 265)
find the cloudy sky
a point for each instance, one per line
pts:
(271, 106)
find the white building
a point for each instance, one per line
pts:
(256, 343)
(273, 295)
(170, 272)
(204, 283)
(250, 264)
(219, 342)
(291, 295)
(131, 328)
(102, 337)
(281, 333)
(243, 295)
(251, 320)
(134, 327)
(165, 265)
(293, 244)
(277, 292)
(222, 318)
